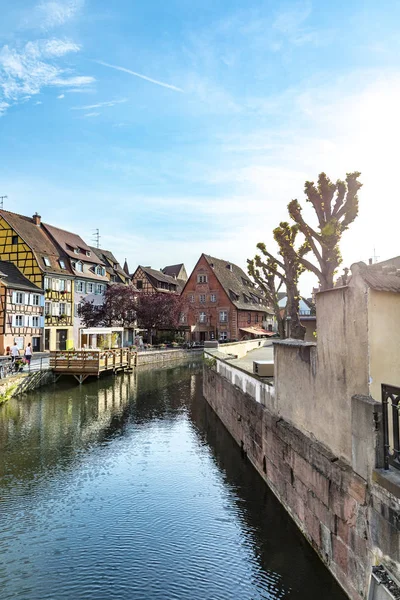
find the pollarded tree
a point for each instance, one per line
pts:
(288, 270)
(265, 275)
(336, 207)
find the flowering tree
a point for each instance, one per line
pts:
(117, 310)
(158, 311)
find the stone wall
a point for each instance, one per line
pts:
(351, 522)
(163, 356)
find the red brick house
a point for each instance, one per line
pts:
(223, 303)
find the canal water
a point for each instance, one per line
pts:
(130, 488)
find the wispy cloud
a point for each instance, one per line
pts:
(93, 114)
(24, 72)
(145, 77)
(55, 13)
(3, 107)
(100, 104)
(61, 96)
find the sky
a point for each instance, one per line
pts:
(183, 127)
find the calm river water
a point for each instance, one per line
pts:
(131, 489)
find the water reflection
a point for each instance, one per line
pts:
(130, 488)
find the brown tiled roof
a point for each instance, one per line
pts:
(39, 241)
(13, 278)
(240, 289)
(175, 270)
(158, 276)
(383, 277)
(109, 260)
(69, 241)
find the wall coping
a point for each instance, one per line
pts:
(388, 479)
(295, 343)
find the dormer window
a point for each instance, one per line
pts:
(79, 267)
(88, 253)
(229, 267)
(62, 264)
(76, 250)
(100, 271)
(46, 261)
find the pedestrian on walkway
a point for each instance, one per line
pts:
(28, 354)
(14, 352)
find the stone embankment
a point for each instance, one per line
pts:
(165, 356)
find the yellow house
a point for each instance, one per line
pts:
(25, 243)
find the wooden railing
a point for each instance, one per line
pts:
(91, 361)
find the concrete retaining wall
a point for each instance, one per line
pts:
(350, 522)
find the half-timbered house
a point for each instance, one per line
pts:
(151, 281)
(115, 273)
(21, 310)
(25, 242)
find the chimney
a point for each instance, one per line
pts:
(370, 261)
(36, 218)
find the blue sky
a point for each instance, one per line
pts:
(186, 127)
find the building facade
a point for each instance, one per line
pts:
(25, 242)
(222, 303)
(150, 281)
(115, 273)
(21, 310)
(90, 277)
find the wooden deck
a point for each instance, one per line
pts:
(85, 363)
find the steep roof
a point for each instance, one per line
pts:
(12, 277)
(126, 268)
(109, 260)
(70, 242)
(159, 276)
(176, 271)
(39, 241)
(242, 292)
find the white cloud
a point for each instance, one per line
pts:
(24, 72)
(93, 114)
(61, 96)
(100, 104)
(3, 107)
(38, 102)
(56, 13)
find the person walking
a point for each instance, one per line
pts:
(14, 352)
(28, 354)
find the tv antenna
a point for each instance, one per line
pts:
(96, 237)
(2, 198)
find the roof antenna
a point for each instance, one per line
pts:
(96, 237)
(2, 198)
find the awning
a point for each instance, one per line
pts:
(100, 330)
(257, 331)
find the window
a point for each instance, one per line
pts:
(14, 240)
(47, 283)
(191, 298)
(88, 253)
(257, 318)
(182, 318)
(55, 284)
(201, 278)
(47, 308)
(61, 285)
(46, 261)
(62, 264)
(100, 271)
(19, 298)
(80, 286)
(249, 317)
(79, 267)
(223, 335)
(76, 250)
(139, 284)
(202, 317)
(89, 288)
(76, 310)
(202, 298)
(62, 309)
(245, 281)
(223, 316)
(35, 322)
(99, 288)
(36, 300)
(213, 297)
(19, 320)
(245, 298)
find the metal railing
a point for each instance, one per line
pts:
(10, 367)
(391, 429)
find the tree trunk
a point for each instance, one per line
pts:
(297, 331)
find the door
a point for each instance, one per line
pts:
(47, 339)
(61, 343)
(202, 336)
(36, 344)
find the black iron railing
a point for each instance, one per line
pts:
(390, 420)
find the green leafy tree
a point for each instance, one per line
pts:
(336, 207)
(269, 269)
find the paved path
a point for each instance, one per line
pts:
(246, 363)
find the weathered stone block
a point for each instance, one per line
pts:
(340, 554)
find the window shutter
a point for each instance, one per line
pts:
(54, 309)
(68, 309)
(14, 297)
(30, 299)
(13, 318)
(41, 302)
(41, 322)
(27, 321)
